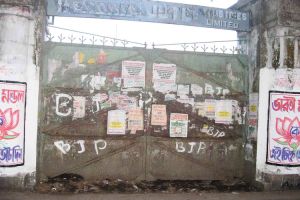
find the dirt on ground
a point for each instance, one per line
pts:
(73, 183)
(287, 195)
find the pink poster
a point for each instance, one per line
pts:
(159, 115)
(135, 120)
(284, 129)
(12, 123)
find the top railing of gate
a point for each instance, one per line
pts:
(64, 35)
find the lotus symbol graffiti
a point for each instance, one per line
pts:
(8, 121)
(289, 130)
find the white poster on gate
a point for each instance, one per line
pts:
(133, 74)
(164, 77)
(200, 108)
(126, 103)
(223, 112)
(116, 122)
(196, 89)
(253, 105)
(210, 108)
(183, 90)
(12, 123)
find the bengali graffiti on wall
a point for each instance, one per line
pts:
(284, 129)
(12, 123)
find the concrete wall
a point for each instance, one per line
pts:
(273, 44)
(20, 36)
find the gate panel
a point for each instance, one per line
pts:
(194, 159)
(212, 150)
(78, 89)
(82, 83)
(100, 158)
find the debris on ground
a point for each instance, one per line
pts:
(74, 183)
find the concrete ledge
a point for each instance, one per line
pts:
(273, 182)
(18, 182)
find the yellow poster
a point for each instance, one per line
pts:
(116, 122)
(223, 111)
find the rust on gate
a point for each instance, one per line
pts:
(141, 114)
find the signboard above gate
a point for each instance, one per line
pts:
(151, 11)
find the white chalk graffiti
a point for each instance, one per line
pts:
(208, 89)
(81, 143)
(190, 147)
(101, 147)
(63, 108)
(97, 100)
(63, 147)
(93, 82)
(66, 147)
(212, 131)
(59, 105)
(206, 149)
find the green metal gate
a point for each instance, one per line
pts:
(82, 83)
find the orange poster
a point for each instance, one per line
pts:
(135, 120)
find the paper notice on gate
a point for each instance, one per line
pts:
(164, 77)
(135, 120)
(183, 90)
(159, 115)
(133, 74)
(200, 108)
(126, 103)
(116, 122)
(178, 125)
(210, 106)
(223, 112)
(78, 107)
(253, 105)
(196, 89)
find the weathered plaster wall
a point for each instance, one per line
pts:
(273, 43)
(20, 34)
